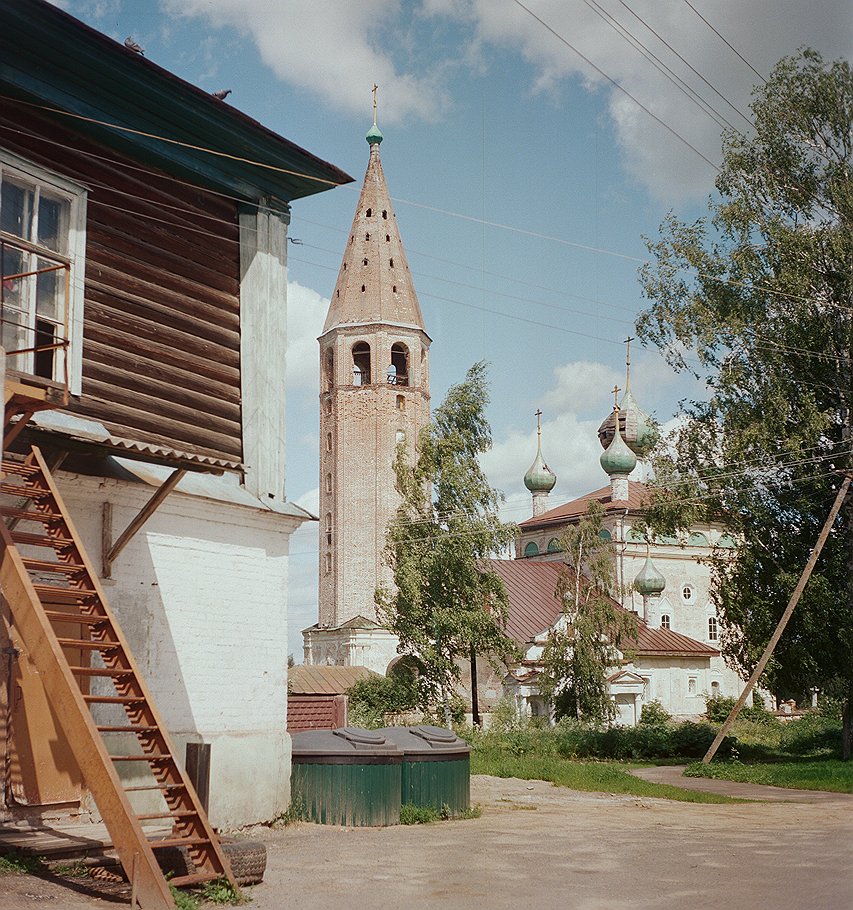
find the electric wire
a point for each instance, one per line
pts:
(725, 41)
(687, 63)
(621, 88)
(660, 66)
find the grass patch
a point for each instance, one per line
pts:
(591, 777)
(825, 774)
(426, 815)
(16, 863)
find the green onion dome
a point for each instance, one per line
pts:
(649, 581)
(617, 458)
(636, 426)
(374, 136)
(539, 477)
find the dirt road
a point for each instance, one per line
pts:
(539, 846)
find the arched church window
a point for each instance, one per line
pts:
(362, 289)
(384, 213)
(727, 542)
(387, 238)
(328, 529)
(554, 545)
(697, 540)
(664, 621)
(398, 370)
(531, 549)
(713, 628)
(401, 403)
(364, 261)
(369, 212)
(367, 236)
(328, 563)
(391, 263)
(361, 362)
(328, 483)
(394, 289)
(328, 442)
(329, 369)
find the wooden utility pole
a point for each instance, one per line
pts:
(780, 628)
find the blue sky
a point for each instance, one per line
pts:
(523, 182)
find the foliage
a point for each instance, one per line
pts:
(446, 606)
(717, 709)
(758, 301)
(426, 815)
(221, 891)
(584, 642)
(588, 776)
(369, 700)
(185, 900)
(17, 863)
(833, 775)
(295, 812)
(654, 715)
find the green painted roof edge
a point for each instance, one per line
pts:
(48, 57)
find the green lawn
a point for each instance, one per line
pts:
(826, 774)
(595, 777)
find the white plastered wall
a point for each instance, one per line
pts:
(200, 593)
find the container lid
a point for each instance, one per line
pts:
(425, 741)
(346, 741)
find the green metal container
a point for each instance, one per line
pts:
(436, 769)
(347, 777)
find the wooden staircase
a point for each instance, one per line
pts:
(57, 602)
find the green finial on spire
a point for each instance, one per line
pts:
(374, 136)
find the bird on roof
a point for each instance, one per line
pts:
(132, 45)
(222, 94)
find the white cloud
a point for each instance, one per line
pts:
(761, 30)
(332, 49)
(306, 313)
(582, 387)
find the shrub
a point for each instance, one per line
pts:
(372, 698)
(718, 709)
(654, 715)
(812, 734)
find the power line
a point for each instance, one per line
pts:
(621, 88)
(726, 42)
(659, 65)
(686, 62)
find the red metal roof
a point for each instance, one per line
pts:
(534, 608)
(637, 498)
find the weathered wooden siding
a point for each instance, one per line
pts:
(161, 352)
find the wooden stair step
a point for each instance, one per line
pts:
(113, 699)
(128, 729)
(19, 489)
(81, 619)
(21, 468)
(144, 787)
(29, 515)
(182, 813)
(177, 842)
(41, 540)
(45, 565)
(158, 756)
(101, 671)
(88, 645)
(53, 594)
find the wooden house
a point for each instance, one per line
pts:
(143, 248)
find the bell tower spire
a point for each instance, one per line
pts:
(374, 398)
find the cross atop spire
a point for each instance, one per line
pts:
(538, 423)
(375, 90)
(616, 390)
(628, 341)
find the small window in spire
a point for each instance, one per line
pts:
(345, 266)
(369, 212)
(367, 236)
(364, 262)
(328, 483)
(362, 289)
(394, 289)
(328, 529)
(401, 403)
(391, 263)
(384, 213)
(387, 238)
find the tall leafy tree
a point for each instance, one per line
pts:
(758, 299)
(446, 605)
(585, 641)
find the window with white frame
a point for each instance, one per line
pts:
(687, 593)
(713, 628)
(664, 621)
(42, 254)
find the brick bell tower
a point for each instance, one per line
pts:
(374, 395)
